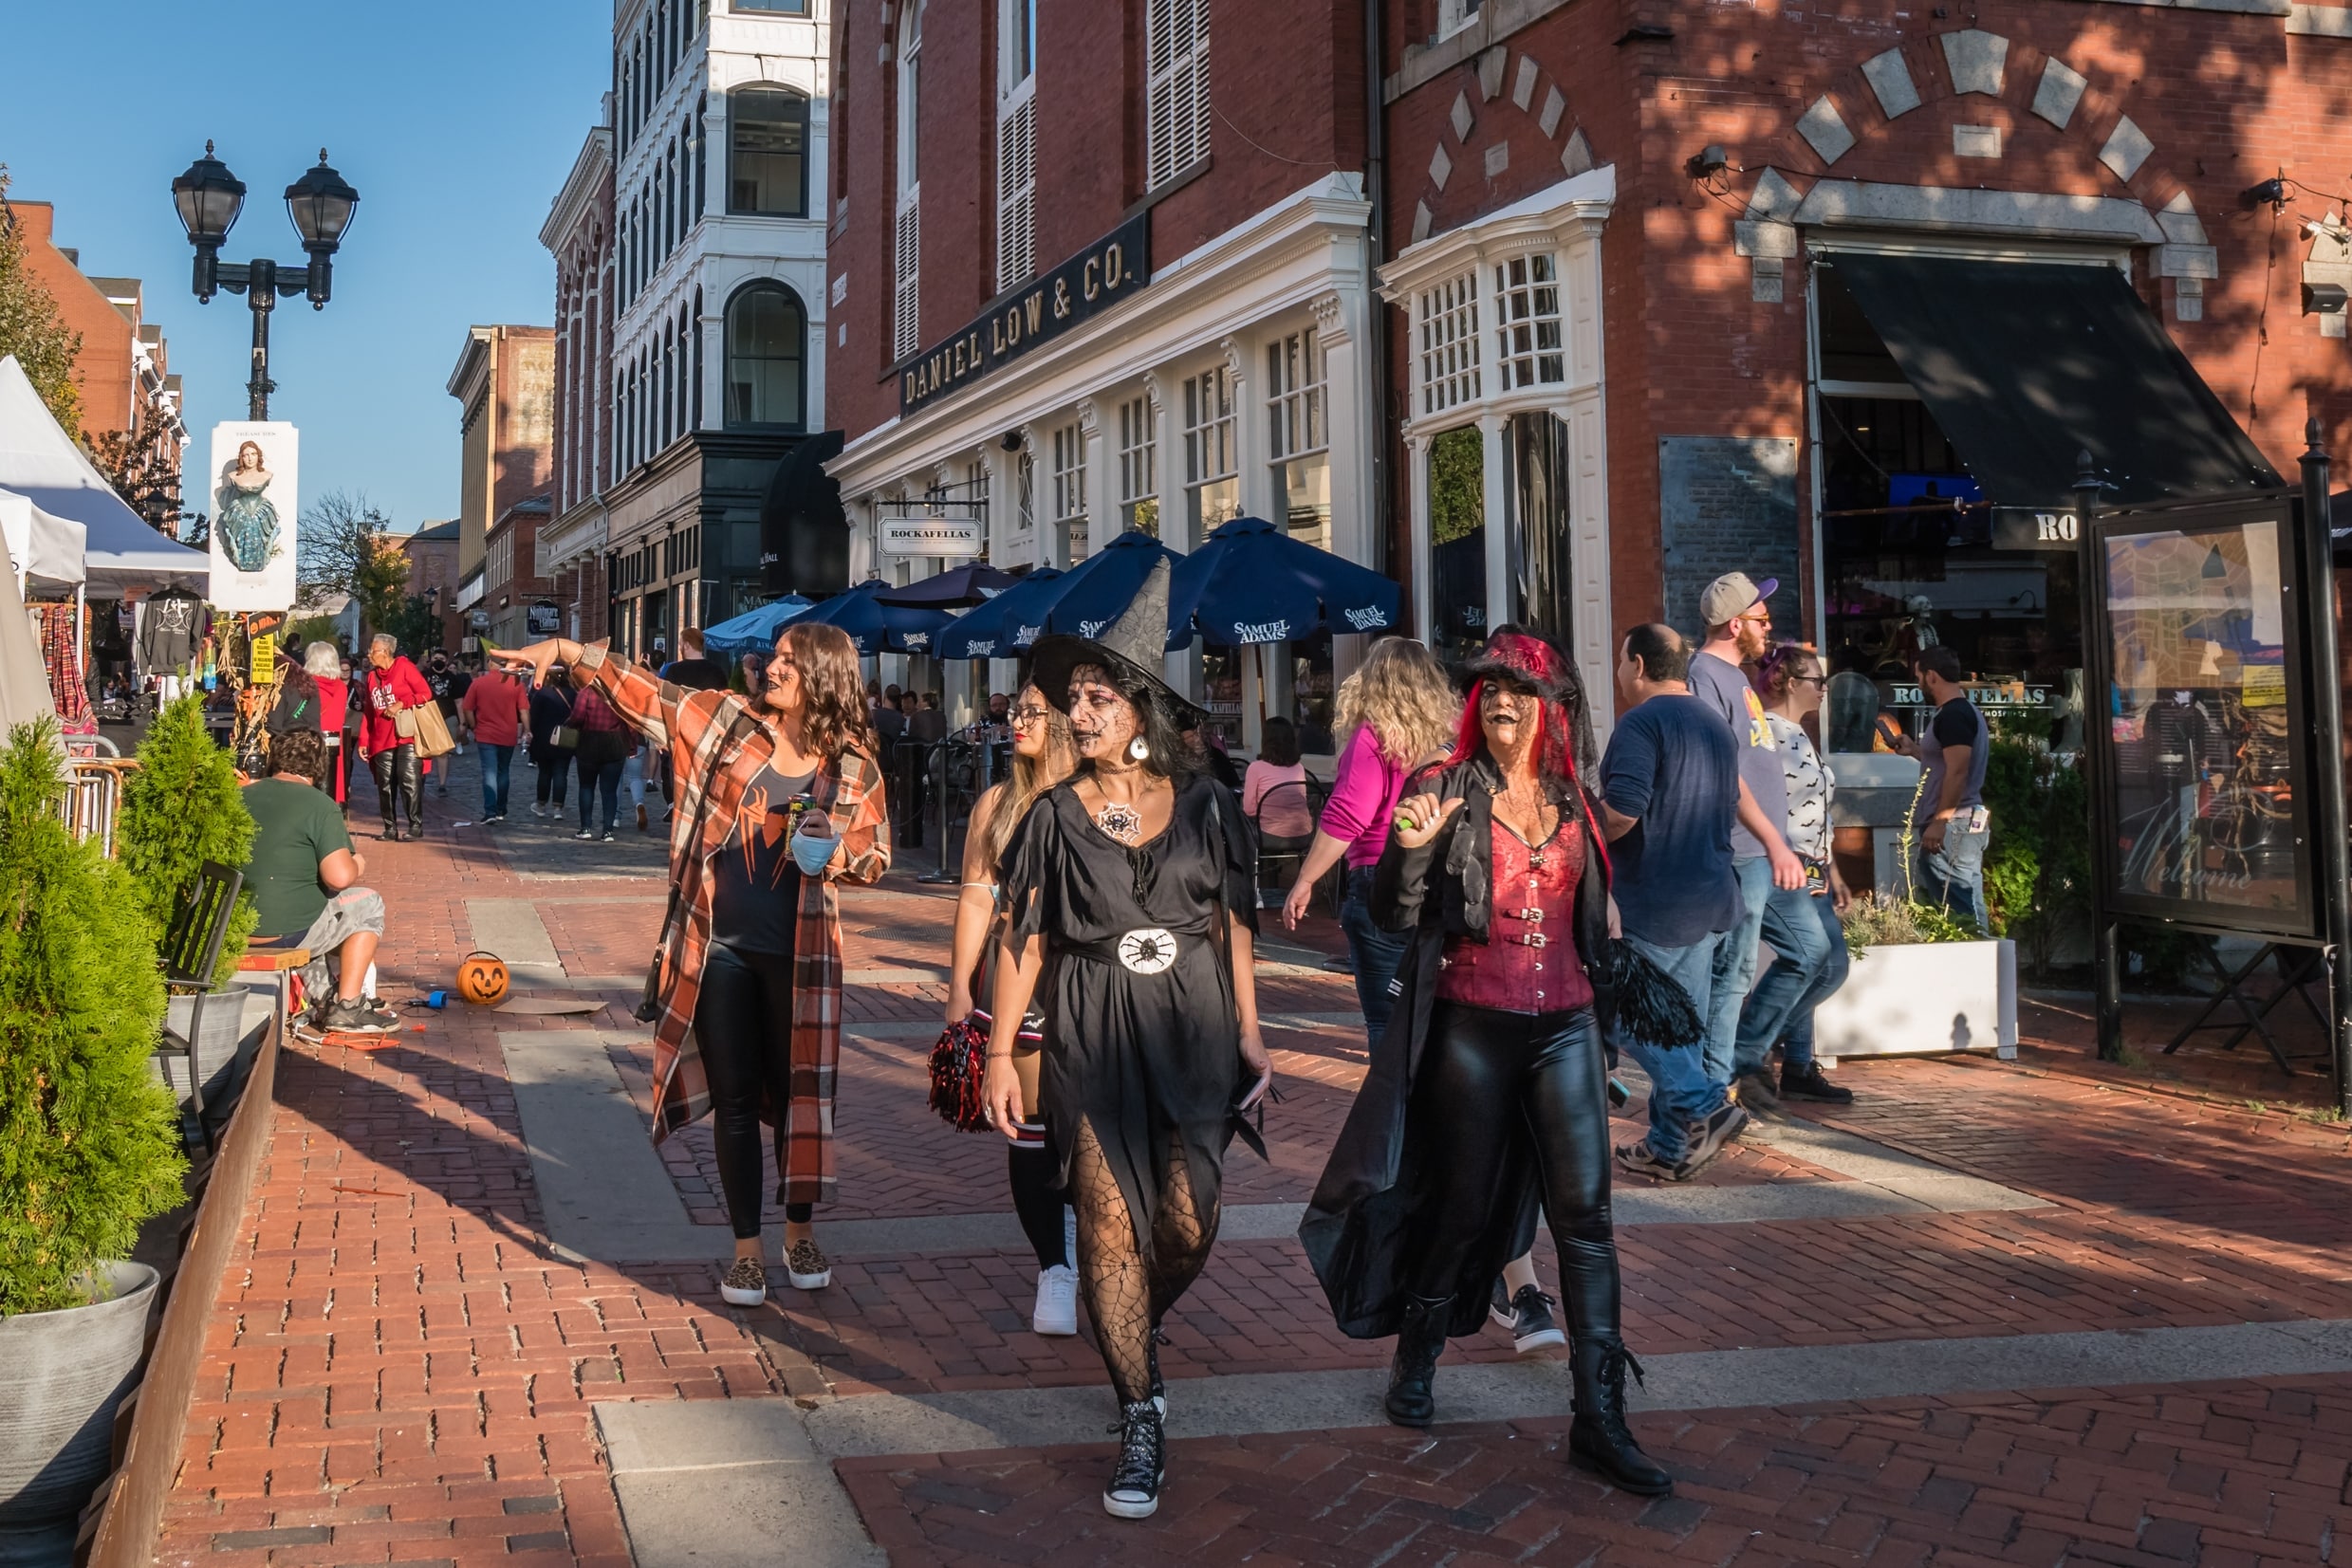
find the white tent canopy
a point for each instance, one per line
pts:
(24, 679)
(39, 461)
(47, 549)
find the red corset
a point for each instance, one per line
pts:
(1528, 963)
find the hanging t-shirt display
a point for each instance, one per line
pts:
(755, 892)
(170, 626)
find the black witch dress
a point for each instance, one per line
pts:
(1141, 1037)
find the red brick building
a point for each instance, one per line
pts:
(1678, 287)
(1097, 266)
(432, 552)
(130, 400)
(505, 385)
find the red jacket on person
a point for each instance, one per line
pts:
(382, 693)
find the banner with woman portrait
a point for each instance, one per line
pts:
(251, 489)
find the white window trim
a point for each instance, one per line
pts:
(1308, 400)
(1139, 451)
(1016, 185)
(1177, 102)
(1566, 219)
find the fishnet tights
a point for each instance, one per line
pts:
(1126, 1293)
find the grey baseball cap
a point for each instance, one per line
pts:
(1731, 596)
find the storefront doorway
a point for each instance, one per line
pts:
(1951, 396)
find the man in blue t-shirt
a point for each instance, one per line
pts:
(1669, 793)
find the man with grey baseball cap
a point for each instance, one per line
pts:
(1771, 879)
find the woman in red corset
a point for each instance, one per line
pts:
(1493, 1098)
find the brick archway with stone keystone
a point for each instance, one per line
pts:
(1872, 99)
(1505, 78)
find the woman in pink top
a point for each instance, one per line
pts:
(1274, 793)
(1398, 711)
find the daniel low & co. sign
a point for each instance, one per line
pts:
(1098, 277)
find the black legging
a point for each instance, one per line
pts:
(743, 1024)
(1484, 1069)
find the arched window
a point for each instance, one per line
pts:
(767, 147)
(767, 345)
(685, 370)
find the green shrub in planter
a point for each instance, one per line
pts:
(181, 806)
(89, 1142)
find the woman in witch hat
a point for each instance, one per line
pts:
(1129, 892)
(1488, 1093)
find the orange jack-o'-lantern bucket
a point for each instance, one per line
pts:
(482, 979)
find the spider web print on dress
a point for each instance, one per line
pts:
(1126, 1293)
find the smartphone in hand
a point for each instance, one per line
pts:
(1256, 1092)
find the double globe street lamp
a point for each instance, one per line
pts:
(209, 198)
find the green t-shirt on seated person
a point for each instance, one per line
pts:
(298, 827)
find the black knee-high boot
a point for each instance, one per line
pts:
(1412, 1400)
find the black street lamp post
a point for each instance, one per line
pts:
(209, 198)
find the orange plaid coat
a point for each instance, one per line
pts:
(694, 728)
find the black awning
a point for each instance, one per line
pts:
(804, 532)
(2025, 364)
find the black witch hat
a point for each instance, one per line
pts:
(1132, 648)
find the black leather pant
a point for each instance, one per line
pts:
(397, 772)
(1482, 1070)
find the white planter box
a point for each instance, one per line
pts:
(1921, 997)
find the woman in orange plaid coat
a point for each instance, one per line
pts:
(778, 801)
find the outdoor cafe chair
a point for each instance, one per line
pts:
(190, 951)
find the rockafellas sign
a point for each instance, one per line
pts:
(1099, 276)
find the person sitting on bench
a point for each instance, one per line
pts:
(304, 876)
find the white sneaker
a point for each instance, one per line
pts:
(1057, 1300)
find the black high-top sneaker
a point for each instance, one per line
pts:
(1133, 1491)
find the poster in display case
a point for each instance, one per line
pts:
(2207, 818)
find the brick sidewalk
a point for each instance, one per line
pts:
(400, 1369)
(2238, 1475)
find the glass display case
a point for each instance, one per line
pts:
(2205, 726)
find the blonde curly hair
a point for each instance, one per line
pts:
(1403, 693)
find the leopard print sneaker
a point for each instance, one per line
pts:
(807, 1267)
(744, 1284)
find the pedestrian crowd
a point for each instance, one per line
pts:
(1523, 910)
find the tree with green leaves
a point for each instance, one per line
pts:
(182, 806)
(30, 327)
(89, 1141)
(347, 546)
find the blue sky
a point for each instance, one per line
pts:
(455, 122)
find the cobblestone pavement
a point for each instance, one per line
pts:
(401, 1367)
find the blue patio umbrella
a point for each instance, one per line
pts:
(1007, 624)
(957, 588)
(1096, 590)
(1251, 583)
(754, 629)
(875, 627)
